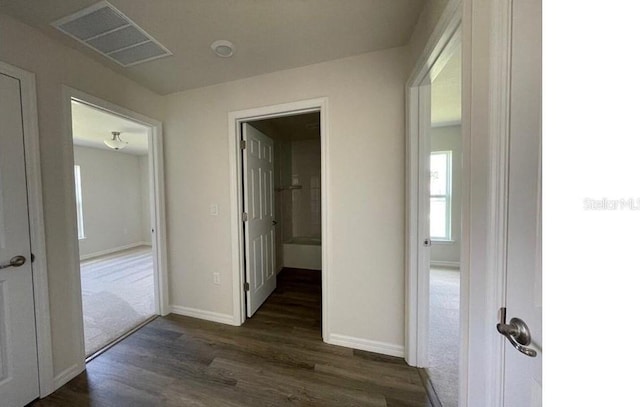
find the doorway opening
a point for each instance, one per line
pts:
(279, 170)
(289, 241)
(115, 175)
(437, 219)
(445, 192)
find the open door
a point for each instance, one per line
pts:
(258, 216)
(523, 368)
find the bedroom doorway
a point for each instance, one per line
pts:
(120, 244)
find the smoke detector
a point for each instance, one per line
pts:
(223, 48)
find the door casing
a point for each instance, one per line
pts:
(486, 40)
(235, 120)
(36, 224)
(157, 213)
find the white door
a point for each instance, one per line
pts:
(523, 374)
(259, 229)
(18, 357)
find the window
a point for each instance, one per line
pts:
(440, 217)
(78, 180)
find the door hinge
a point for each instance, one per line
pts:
(246, 286)
(33, 257)
(245, 216)
(243, 144)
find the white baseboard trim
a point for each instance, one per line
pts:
(366, 344)
(201, 314)
(440, 263)
(114, 250)
(67, 374)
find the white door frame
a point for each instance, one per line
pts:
(157, 209)
(481, 376)
(441, 45)
(236, 119)
(446, 36)
(36, 224)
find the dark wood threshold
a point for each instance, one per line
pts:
(432, 396)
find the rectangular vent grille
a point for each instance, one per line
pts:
(106, 30)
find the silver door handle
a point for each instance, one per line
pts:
(517, 332)
(15, 261)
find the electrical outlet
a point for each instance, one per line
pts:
(216, 278)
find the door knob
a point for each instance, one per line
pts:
(273, 222)
(15, 261)
(517, 332)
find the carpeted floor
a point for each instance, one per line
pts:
(117, 295)
(444, 334)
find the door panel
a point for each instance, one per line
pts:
(18, 355)
(523, 374)
(258, 229)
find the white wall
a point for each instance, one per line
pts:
(112, 199)
(55, 65)
(365, 138)
(449, 138)
(305, 171)
(427, 21)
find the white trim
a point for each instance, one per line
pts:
(499, 128)
(202, 314)
(237, 245)
(36, 224)
(447, 124)
(113, 250)
(67, 374)
(445, 263)
(157, 205)
(439, 49)
(366, 344)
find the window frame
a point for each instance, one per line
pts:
(447, 196)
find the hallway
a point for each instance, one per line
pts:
(277, 358)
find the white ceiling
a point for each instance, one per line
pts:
(446, 93)
(92, 126)
(269, 35)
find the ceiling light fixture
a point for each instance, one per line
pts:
(115, 142)
(223, 48)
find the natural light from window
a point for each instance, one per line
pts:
(78, 181)
(440, 216)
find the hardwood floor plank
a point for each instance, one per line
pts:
(276, 359)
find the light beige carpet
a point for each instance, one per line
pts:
(444, 334)
(117, 295)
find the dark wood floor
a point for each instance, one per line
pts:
(276, 358)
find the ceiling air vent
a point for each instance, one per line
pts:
(106, 30)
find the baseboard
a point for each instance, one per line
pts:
(113, 250)
(441, 263)
(67, 374)
(366, 344)
(201, 314)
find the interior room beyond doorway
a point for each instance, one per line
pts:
(297, 216)
(113, 204)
